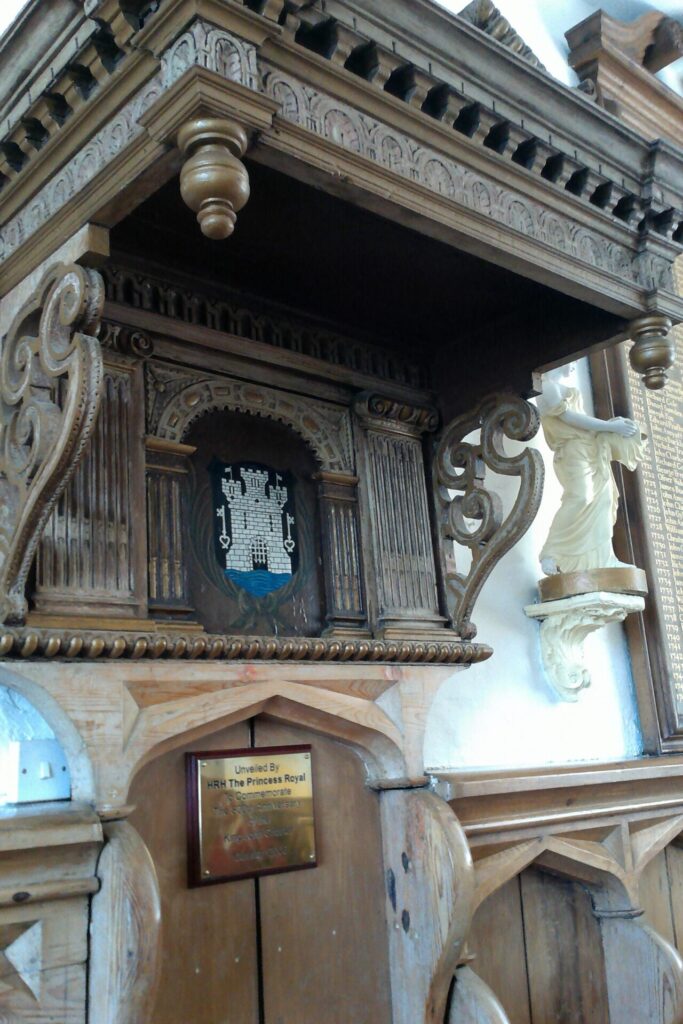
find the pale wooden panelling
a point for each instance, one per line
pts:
(655, 897)
(674, 858)
(564, 952)
(208, 934)
(502, 964)
(538, 947)
(324, 931)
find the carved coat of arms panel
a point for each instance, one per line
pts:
(254, 562)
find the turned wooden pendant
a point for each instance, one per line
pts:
(653, 352)
(213, 181)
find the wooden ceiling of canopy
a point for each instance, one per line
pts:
(300, 247)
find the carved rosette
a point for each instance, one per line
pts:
(460, 467)
(50, 385)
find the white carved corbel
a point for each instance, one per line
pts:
(565, 624)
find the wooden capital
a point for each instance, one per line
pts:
(213, 181)
(653, 352)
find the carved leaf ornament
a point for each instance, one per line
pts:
(473, 517)
(50, 384)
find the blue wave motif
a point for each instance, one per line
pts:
(259, 582)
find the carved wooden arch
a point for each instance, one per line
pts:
(613, 865)
(66, 732)
(643, 970)
(325, 428)
(359, 723)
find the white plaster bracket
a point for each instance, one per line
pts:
(565, 624)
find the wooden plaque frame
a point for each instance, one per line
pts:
(661, 714)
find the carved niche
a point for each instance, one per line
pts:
(50, 385)
(197, 422)
(239, 599)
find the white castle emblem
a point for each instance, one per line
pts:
(260, 529)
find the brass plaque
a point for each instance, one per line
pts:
(250, 812)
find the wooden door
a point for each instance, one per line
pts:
(209, 972)
(537, 945)
(294, 948)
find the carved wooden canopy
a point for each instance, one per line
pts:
(370, 101)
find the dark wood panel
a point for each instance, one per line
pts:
(564, 952)
(324, 931)
(497, 941)
(209, 970)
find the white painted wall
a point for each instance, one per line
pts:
(33, 767)
(503, 713)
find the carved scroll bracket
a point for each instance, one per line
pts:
(50, 384)
(565, 626)
(654, 351)
(461, 467)
(214, 182)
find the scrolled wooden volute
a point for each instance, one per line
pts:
(213, 181)
(653, 351)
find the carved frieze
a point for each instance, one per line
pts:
(205, 46)
(258, 322)
(305, 106)
(460, 471)
(175, 398)
(50, 384)
(105, 145)
(125, 340)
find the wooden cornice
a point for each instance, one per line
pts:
(496, 807)
(616, 61)
(529, 177)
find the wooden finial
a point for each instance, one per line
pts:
(213, 181)
(653, 352)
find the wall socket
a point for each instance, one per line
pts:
(33, 771)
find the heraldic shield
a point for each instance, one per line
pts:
(254, 528)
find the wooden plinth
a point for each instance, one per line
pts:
(615, 581)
